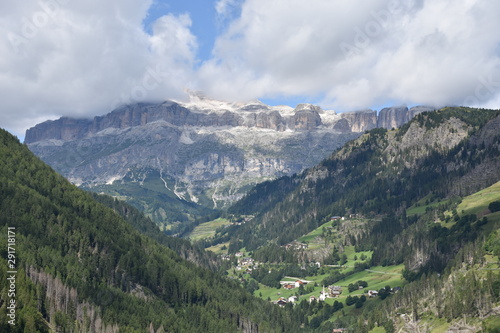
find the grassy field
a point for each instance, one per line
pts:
(492, 323)
(219, 248)
(207, 229)
(351, 253)
(314, 239)
(377, 277)
(477, 203)
(421, 206)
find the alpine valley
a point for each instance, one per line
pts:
(305, 220)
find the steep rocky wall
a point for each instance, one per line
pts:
(361, 121)
(304, 117)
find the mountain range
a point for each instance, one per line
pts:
(198, 155)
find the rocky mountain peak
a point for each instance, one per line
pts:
(307, 117)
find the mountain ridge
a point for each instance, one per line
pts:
(280, 118)
(206, 153)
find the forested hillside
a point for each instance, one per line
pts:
(411, 184)
(146, 226)
(446, 153)
(79, 267)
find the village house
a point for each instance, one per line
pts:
(335, 291)
(372, 293)
(292, 299)
(247, 261)
(281, 302)
(248, 218)
(299, 283)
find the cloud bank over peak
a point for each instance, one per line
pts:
(81, 59)
(356, 54)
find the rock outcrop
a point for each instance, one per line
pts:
(360, 121)
(342, 126)
(395, 117)
(392, 117)
(306, 117)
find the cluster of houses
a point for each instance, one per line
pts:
(291, 284)
(295, 246)
(335, 291)
(330, 292)
(282, 301)
(245, 263)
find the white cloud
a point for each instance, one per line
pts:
(224, 7)
(358, 54)
(80, 59)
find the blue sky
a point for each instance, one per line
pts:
(205, 25)
(84, 58)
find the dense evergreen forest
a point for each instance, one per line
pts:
(147, 227)
(82, 268)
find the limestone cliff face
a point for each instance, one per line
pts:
(361, 121)
(271, 120)
(130, 116)
(62, 129)
(342, 126)
(392, 117)
(395, 117)
(306, 117)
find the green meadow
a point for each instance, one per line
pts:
(207, 229)
(477, 203)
